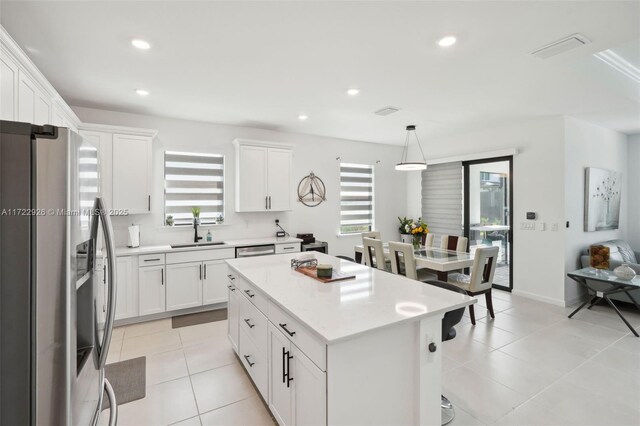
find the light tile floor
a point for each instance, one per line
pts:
(531, 365)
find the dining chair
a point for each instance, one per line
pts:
(427, 240)
(372, 234)
(403, 262)
(374, 254)
(481, 278)
(454, 243)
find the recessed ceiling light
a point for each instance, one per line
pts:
(140, 44)
(142, 92)
(353, 92)
(302, 117)
(447, 41)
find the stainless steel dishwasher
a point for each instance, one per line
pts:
(252, 251)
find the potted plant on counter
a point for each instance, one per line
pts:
(195, 211)
(405, 229)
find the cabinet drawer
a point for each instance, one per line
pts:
(287, 248)
(312, 346)
(151, 259)
(249, 291)
(254, 323)
(200, 255)
(254, 361)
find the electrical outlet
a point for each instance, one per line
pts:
(542, 226)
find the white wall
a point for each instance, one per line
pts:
(633, 183)
(317, 154)
(538, 183)
(588, 145)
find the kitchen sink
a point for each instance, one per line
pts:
(220, 243)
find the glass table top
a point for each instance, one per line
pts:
(603, 276)
(440, 254)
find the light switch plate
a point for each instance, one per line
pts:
(554, 227)
(542, 226)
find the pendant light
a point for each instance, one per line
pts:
(406, 165)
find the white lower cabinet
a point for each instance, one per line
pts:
(125, 295)
(214, 289)
(292, 384)
(184, 285)
(233, 315)
(297, 387)
(151, 283)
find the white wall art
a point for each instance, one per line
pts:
(601, 199)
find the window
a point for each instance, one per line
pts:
(193, 180)
(356, 198)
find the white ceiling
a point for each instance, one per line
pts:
(261, 64)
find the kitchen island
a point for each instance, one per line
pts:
(362, 351)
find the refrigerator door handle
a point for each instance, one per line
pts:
(113, 404)
(99, 207)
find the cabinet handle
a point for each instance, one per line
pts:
(269, 202)
(288, 359)
(248, 323)
(205, 271)
(284, 327)
(149, 202)
(162, 276)
(152, 260)
(284, 366)
(231, 277)
(104, 274)
(232, 288)
(251, 364)
(201, 272)
(289, 248)
(249, 293)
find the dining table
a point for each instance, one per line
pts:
(439, 260)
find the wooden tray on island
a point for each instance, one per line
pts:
(312, 272)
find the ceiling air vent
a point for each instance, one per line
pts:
(560, 46)
(387, 110)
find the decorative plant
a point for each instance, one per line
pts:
(195, 211)
(405, 225)
(169, 220)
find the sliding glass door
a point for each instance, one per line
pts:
(488, 209)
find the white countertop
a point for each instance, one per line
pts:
(344, 309)
(128, 251)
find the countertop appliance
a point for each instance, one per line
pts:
(317, 245)
(306, 238)
(56, 315)
(251, 251)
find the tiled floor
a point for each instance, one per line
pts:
(528, 366)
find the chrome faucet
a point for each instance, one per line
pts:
(195, 228)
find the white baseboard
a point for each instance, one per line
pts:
(550, 300)
(576, 300)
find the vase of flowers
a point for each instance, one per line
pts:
(412, 231)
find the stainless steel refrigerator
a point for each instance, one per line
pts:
(56, 316)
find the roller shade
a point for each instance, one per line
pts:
(193, 180)
(356, 198)
(442, 198)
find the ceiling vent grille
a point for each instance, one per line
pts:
(560, 46)
(387, 110)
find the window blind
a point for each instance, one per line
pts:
(193, 180)
(356, 198)
(442, 198)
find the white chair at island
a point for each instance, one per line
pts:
(372, 234)
(481, 278)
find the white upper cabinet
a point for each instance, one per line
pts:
(263, 176)
(25, 94)
(8, 89)
(103, 141)
(132, 173)
(125, 165)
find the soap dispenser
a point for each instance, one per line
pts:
(209, 236)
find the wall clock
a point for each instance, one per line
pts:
(311, 190)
